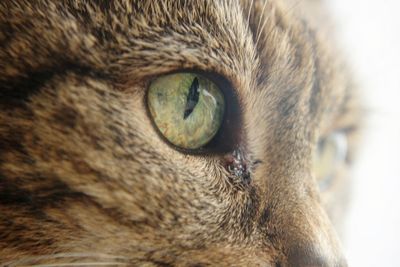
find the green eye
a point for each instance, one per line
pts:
(187, 108)
(329, 156)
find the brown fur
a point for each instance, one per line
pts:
(84, 176)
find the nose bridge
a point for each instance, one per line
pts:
(292, 218)
(312, 241)
(306, 235)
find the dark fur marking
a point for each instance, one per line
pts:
(11, 141)
(15, 93)
(288, 103)
(50, 194)
(316, 87)
(14, 232)
(247, 214)
(265, 216)
(66, 116)
(7, 32)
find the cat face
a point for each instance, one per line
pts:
(88, 175)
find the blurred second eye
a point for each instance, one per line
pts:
(328, 157)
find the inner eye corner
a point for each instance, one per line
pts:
(214, 91)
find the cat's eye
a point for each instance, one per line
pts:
(187, 108)
(328, 157)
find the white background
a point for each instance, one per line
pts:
(370, 33)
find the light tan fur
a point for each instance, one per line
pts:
(84, 175)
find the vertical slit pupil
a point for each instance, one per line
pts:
(192, 98)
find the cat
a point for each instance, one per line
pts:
(95, 171)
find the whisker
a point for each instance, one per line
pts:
(291, 8)
(249, 12)
(287, 11)
(27, 260)
(261, 17)
(78, 264)
(259, 33)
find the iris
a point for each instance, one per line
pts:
(187, 108)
